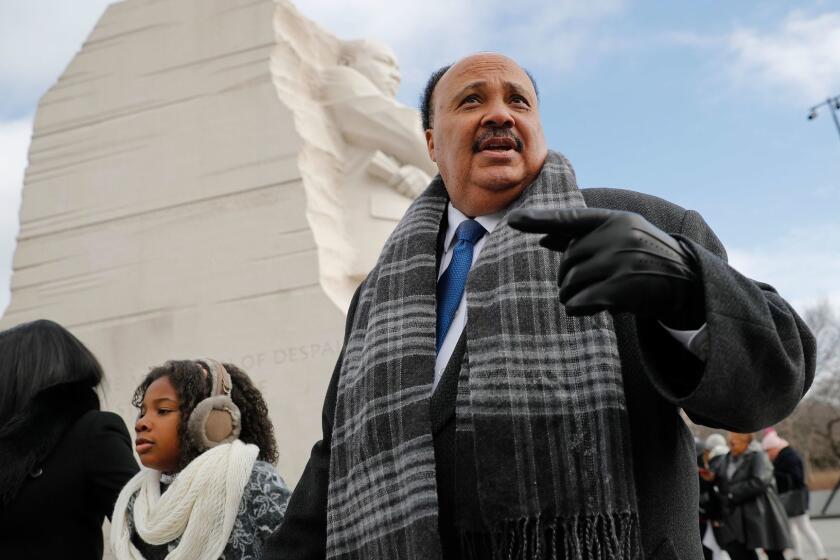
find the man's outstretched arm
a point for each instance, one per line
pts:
(758, 359)
(760, 355)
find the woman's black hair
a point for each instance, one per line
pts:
(193, 386)
(48, 379)
(42, 358)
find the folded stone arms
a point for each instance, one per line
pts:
(407, 180)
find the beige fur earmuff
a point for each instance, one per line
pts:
(216, 419)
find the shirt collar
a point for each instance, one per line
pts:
(454, 217)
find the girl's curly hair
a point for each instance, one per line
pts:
(193, 385)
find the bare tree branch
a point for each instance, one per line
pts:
(814, 428)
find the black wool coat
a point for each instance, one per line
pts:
(760, 363)
(59, 510)
(752, 512)
(788, 470)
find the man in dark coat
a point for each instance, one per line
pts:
(504, 416)
(753, 516)
(789, 472)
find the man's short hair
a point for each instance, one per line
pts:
(429, 90)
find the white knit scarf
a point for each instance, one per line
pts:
(200, 506)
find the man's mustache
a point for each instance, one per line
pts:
(496, 133)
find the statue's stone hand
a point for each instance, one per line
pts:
(407, 180)
(411, 181)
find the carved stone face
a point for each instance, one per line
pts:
(486, 134)
(376, 62)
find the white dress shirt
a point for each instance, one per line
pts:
(693, 340)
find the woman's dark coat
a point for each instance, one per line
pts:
(789, 473)
(752, 512)
(59, 510)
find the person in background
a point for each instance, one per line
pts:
(710, 510)
(752, 517)
(789, 473)
(715, 447)
(706, 492)
(209, 489)
(63, 461)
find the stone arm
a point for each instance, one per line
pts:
(407, 180)
(303, 534)
(760, 355)
(372, 120)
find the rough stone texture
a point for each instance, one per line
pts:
(364, 155)
(165, 213)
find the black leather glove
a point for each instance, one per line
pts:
(618, 261)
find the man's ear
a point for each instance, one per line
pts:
(430, 144)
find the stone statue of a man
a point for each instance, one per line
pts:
(364, 155)
(371, 119)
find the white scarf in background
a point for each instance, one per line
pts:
(200, 506)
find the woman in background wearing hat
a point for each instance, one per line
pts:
(790, 481)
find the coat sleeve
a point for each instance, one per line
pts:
(303, 534)
(109, 461)
(760, 477)
(760, 355)
(262, 510)
(784, 480)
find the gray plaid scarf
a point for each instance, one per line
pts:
(541, 413)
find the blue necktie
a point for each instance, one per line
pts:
(450, 287)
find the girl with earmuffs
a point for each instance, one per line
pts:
(209, 489)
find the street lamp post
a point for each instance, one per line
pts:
(833, 104)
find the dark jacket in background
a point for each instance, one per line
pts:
(709, 502)
(752, 512)
(59, 510)
(758, 346)
(788, 470)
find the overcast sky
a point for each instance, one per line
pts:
(704, 104)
